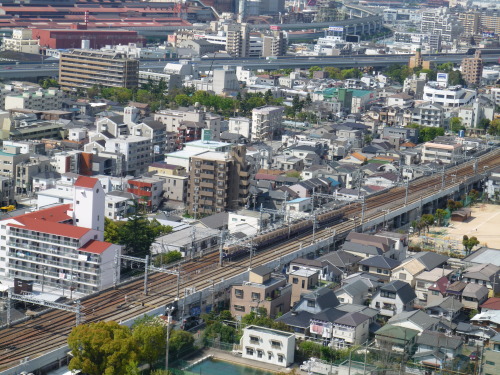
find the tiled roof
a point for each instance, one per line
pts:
(66, 230)
(492, 303)
(95, 247)
(86, 182)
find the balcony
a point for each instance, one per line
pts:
(38, 272)
(48, 239)
(70, 253)
(43, 261)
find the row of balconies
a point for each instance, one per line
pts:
(42, 261)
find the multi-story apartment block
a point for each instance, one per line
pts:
(266, 122)
(472, 69)
(21, 41)
(62, 246)
(241, 125)
(237, 39)
(470, 22)
(174, 179)
(440, 22)
(156, 132)
(490, 20)
(25, 171)
(41, 100)
(428, 114)
(136, 150)
(264, 289)
(446, 152)
(149, 190)
(268, 345)
(10, 157)
(274, 45)
(218, 181)
(84, 69)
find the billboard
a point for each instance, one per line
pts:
(352, 38)
(442, 77)
(206, 135)
(336, 28)
(275, 27)
(485, 34)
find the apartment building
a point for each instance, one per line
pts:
(10, 157)
(157, 134)
(149, 190)
(448, 97)
(268, 345)
(175, 181)
(428, 114)
(470, 22)
(218, 181)
(264, 289)
(82, 69)
(275, 44)
(303, 281)
(62, 246)
(25, 171)
(472, 69)
(40, 100)
(440, 22)
(237, 39)
(267, 122)
(136, 150)
(490, 20)
(446, 152)
(21, 41)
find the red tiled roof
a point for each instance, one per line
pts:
(55, 214)
(43, 226)
(86, 182)
(95, 247)
(492, 303)
(440, 285)
(265, 176)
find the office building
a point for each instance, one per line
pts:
(62, 246)
(81, 69)
(472, 69)
(218, 181)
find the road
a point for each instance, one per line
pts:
(49, 331)
(48, 70)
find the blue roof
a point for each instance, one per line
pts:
(333, 181)
(297, 200)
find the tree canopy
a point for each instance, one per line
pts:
(469, 243)
(150, 333)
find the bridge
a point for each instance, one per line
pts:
(41, 340)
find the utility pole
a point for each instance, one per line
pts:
(43, 277)
(314, 227)
(251, 254)
(169, 311)
(406, 191)
(442, 179)
(146, 275)
(221, 247)
(363, 206)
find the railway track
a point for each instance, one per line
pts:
(49, 331)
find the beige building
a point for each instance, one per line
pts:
(175, 180)
(472, 69)
(445, 152)
(82, 69)
(302, 281)
(41, 100)
(237, 39)
(218, 181)
(21, 41)
(274, 45)
(10, 157)
(266, 122)
(470, 22)
(262, 290)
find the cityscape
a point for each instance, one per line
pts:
(250, 187)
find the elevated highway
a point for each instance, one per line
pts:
(45, 335)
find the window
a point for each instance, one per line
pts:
(255, 296)
(77, 202)
(435, 293)
(311, 304)
(280, 357)
(496, 347)
(238, 293)
(239, 308)
(110, 205)
(275, 344)
(490, 363)
(249, 351)
(254, 340)
(260, 353)
(402, 276)
(379, 270)
(295, 280)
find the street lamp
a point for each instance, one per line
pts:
(385, 211)
(169, 311)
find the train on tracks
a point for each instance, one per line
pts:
(295, 229)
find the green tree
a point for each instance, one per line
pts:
(494, 128)
(93, 91)
(456, 124)
(150, 334)
(427, 220)
(453, 205)
(138, 233)
(313, 69)
(473, 195)
(334, 73)
(112, 230)
(484, 123)
(49, 82)
(166, 258)
(182, 100)
(440, 214)
(469, 243)
(103, 348)
(180, 343)
(295, 174)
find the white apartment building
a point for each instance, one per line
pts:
(172, 119)
(267, 121)
(240, 125)
(495, 95)
(448, 97)
(21, 41)
(137, 151)
(268, 345)
(41, 100)
(61, 246)
(428, 114)
(445, 152)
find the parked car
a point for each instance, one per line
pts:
(474, 356)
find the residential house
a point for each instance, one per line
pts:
(397, 339)
(483, 274)
(267, 345)
(385, 244)
(473, 296)
(416, 319)
(426, 279)
(449, 308)
(435, 348)
(492, 303)
(408, 271)
(379, 266)
(394, 298)
(302, 281)
(353, 293)
(491, 355)
(264, 289)
(344, 261)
